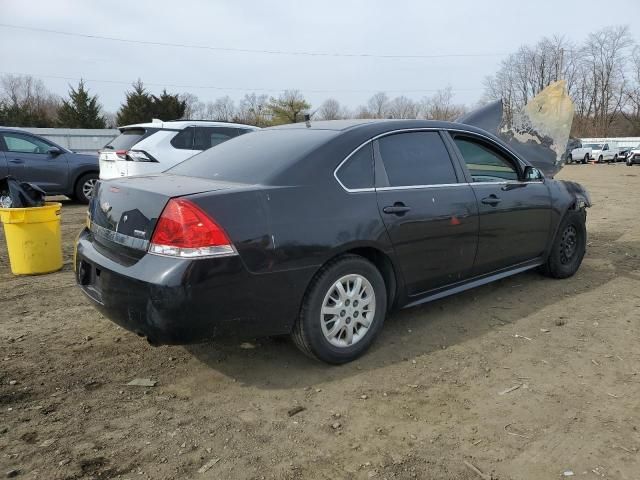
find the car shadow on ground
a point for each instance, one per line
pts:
(275, 363)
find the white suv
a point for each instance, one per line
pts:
(154, 147)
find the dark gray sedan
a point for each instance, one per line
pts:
(58, 171)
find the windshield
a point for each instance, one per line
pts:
(254, 158)
(594, 146)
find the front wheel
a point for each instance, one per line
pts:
(585, 160)
(342, 312)
(85, 187)
(568, 247)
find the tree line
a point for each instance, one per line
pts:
(602, 74)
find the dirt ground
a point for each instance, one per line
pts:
(437, 390)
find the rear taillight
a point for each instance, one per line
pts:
(122, 154)
(140, 156)
(184, 230)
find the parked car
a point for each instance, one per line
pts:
(319, 231)
(580, 154)
(622, 153)
(633, 156)
(602, 152)
(58, 171)
(154, 147)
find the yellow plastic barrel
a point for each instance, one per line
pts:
(33, 238)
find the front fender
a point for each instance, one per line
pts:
(565, 195)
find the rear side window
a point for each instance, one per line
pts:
(484, 163)
(416, 158)
(256, 158)
(357, 171)
(184, 139)
(207, 137)
(128, 138)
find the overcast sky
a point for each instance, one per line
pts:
(376, 27)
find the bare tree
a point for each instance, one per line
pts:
(25, 101)
(440, 106)
(194, 107)
(633, 92)
(594, 72)
(402, 107)
(252, 110)
(330, 110)
(378, 105)
(605, 55)
(223, 109)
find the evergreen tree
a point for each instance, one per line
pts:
(138, 106)
(80, 110)
(168, 107)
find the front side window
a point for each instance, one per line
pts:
(19, 143)
(207, 137)
(416, 158)
(357, 171)
(184, 139)
(484, 163)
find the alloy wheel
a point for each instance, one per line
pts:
(88, 186)
(348, 310)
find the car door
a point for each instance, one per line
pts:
(429, 210)
(29, 160)
(515, 214)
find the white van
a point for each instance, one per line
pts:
(154, 147)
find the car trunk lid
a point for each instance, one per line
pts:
(124, 212)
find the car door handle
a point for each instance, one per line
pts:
(397, 208)
(16, 160)
(492, 200)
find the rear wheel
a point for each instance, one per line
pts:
(342, 312)
(600, 159)
(85, 186)
(568, 247)
(585, 160)
(570, 159)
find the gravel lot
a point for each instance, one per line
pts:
(526, 378)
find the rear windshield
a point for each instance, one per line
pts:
(127, 139)
(254, 158)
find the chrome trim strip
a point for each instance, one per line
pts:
(119, 238)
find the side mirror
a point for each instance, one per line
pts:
(54, 151)
(532, 174)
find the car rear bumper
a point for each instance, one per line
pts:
(180, 301)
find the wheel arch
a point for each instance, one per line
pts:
(380, 259)
(79, 175)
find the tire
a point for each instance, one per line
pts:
(629, 164)
(325, 336)
(570, 159)
(569, 246)
(82, 193)
(615, 158)
(585, 160)
(600, 159)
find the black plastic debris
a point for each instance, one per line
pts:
(17, 194)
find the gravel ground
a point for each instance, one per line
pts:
(526, 378)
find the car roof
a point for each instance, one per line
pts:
(381, 124)
(180, 124)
